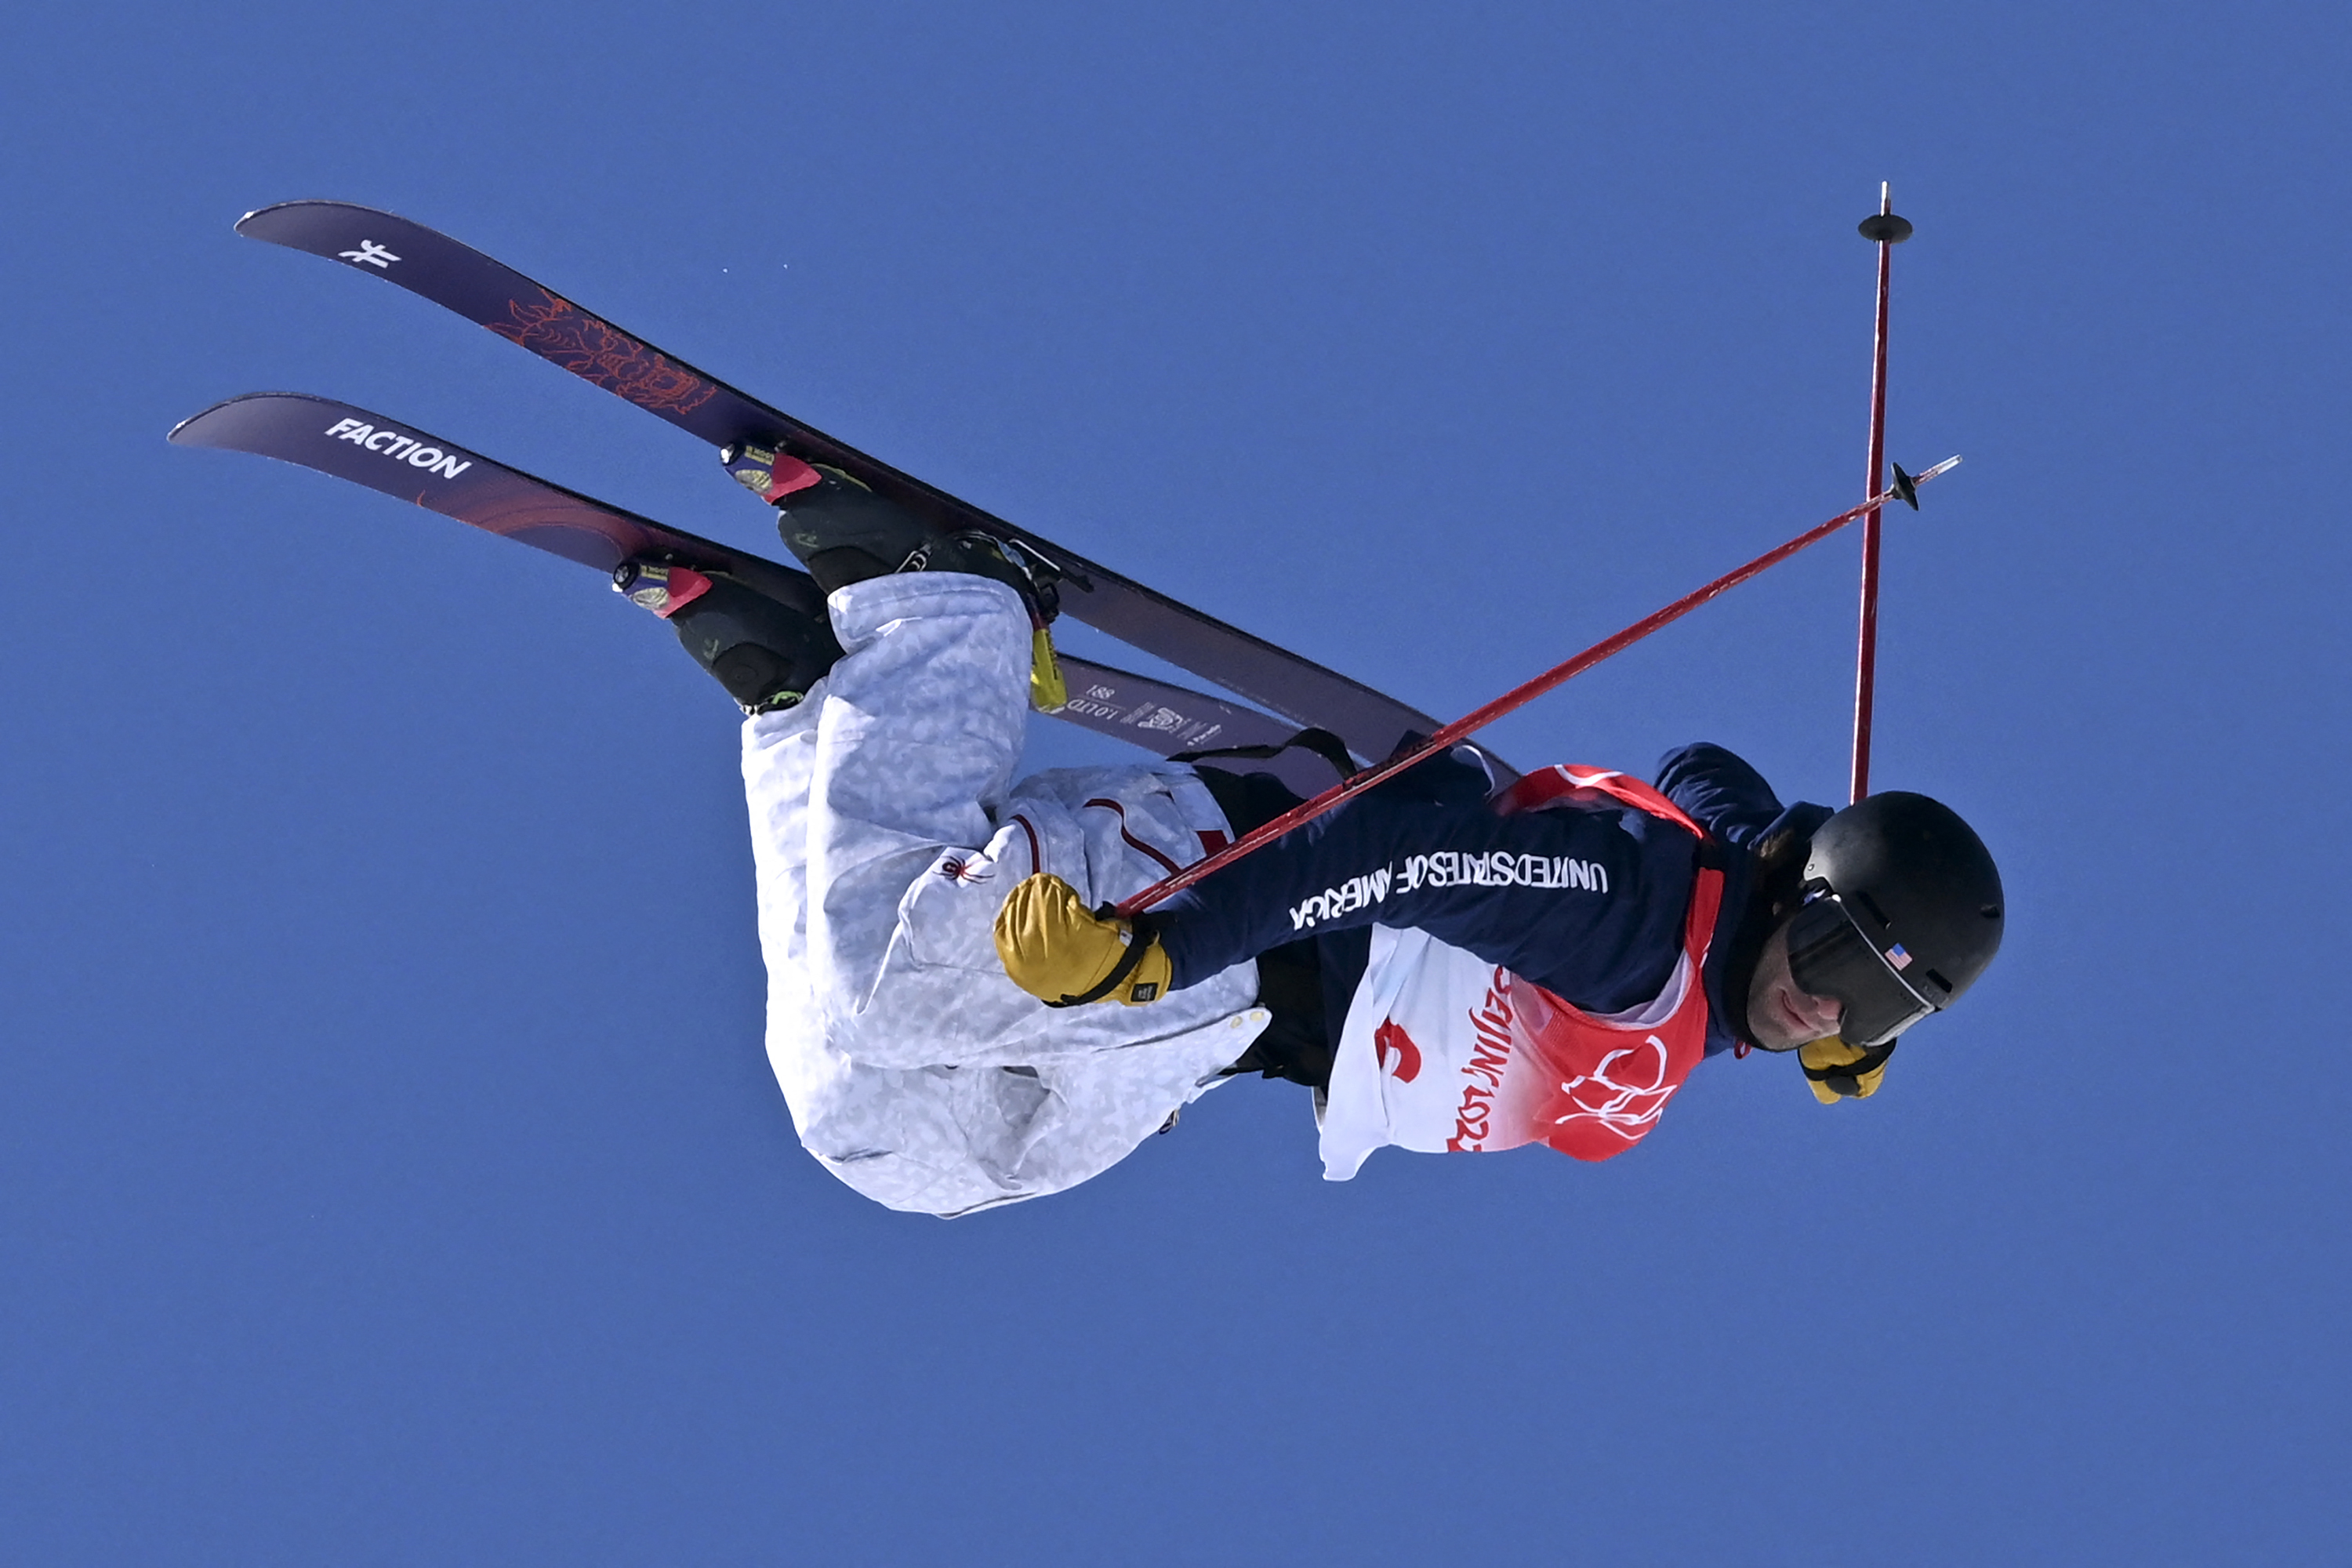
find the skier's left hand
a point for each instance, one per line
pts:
(1062, 954)
(1835, 1070)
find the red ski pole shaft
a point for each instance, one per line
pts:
(1517, 698)
(1888, 231)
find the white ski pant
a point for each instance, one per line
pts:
(887, 829)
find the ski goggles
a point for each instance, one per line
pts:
(1839, 951)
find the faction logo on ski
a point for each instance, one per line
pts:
(369, 254)
(400, 448)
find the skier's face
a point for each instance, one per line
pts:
(1779, 1015)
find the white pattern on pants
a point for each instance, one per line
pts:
(886, 831)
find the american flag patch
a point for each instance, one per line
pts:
(1897, 957)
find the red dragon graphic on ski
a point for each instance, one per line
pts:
(557, 330)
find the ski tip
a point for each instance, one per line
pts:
(259, 216)
(190, 432)
(262, 222)
(185, 433)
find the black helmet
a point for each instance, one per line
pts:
(1902, 912)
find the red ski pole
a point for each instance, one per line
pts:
(1888, 231)
(1517, 698)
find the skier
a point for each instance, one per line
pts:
(955, 1025)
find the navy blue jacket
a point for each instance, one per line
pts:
(1588, 901)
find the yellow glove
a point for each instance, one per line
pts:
(1062, 954)
(1836, 1070)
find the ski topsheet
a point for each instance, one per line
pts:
(403, 462)
(495, 296)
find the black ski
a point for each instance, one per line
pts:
(403, 462)
(495, 296)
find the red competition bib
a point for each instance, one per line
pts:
(1443, 1051)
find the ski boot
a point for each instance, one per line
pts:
(767, 654)
(844, 533)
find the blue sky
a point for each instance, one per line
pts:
(389, 1171)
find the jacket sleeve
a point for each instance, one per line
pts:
(1721, 792)
(1587, 902)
